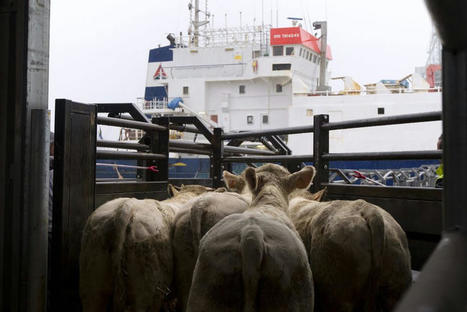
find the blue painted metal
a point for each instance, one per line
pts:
(157, 93)
(175, 103)
(162, 54)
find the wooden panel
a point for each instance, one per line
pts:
(106, 191)
(74, 177)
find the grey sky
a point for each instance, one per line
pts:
(99, 49)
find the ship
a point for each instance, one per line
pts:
(261, 77)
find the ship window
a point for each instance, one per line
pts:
(307, 54)
(278, 88)
(380, 110)
(289, 51)
(309, 57)
(281, 66)
(315, 58)
(249, 119)
(265, 119)
(185, 90)
(256, 54)
(277, 50)
(301, 51)
(241, 89)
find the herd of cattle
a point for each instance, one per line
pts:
(263, 243)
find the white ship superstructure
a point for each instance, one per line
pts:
(259, 77)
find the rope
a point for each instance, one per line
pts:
(151, 168)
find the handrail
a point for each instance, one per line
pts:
(118, 144)
(106, 154)
(259, 133)
(383, 121)
(384, 155)
(109, 121)
(275, 158)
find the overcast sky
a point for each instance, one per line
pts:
(99, 48)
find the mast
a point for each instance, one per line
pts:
(196, 24)
(323, 49)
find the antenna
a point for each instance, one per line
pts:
(277, 13)
(295, 20)
(262, 13)
(196, 23)
(240, 19)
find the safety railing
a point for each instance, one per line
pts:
(321, 155)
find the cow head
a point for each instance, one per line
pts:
(195, 190)
(280, 177)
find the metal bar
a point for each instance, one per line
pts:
(189, 151)
(190, 145)
(342, 175)
(195, 121)
(216, 158)
(383, 121)
(208, 147)
(108, 121)
(102, 154)
(185, 128)
(275, 158)
(260, 133)
(320, 148)
(130, 108)
(126, 145)
(160, 145)
(242, 150)
(268, 145)
(279, 144)
(384, 155)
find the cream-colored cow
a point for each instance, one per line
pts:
(358, 253)
(126, 254)
(194, 220)
(255, 261)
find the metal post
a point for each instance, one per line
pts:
(216, 159)
(320, 147)
(160, 145)
(323, 51)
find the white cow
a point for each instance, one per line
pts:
(255, 261)
(358, 253)
(198, 217)
(126, 256)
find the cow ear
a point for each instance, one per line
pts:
(301, 179)
(233, 182)
(251, 180)
(172, 190)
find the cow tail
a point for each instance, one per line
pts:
(252, 249)
(123, 221)
(196, 215)
(375, 223)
